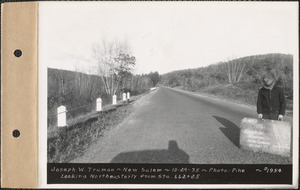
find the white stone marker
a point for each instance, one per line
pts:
(124, 96)
(128, 96)
(114, 100)
(61, 116)
(99, 104)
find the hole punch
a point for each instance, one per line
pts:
(16, 133)
(18, 53)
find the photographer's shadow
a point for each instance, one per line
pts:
(171, 155)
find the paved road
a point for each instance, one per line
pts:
(172, 126)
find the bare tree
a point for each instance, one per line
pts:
(235, 69)
(113, 59)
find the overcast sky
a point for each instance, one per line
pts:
(165, 36)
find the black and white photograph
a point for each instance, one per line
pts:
(169, 93)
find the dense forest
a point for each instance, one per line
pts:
(237, 79)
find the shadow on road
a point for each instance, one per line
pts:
(231, 131)
(172, 155)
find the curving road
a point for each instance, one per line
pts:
(174, 126)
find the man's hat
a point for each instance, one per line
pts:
(269, 80)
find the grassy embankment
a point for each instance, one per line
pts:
(67, 143)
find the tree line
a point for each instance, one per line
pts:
(245, 73)
(75, 89)
(115, 66)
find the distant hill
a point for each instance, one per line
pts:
(237, 79)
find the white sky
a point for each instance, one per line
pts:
(165, 36)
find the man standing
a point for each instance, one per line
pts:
(270, 100)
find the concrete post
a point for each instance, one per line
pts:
(61, 116)
(124, 97)
(128, 96)
(99, 104)
(114, 100)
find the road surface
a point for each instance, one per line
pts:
(173, 126)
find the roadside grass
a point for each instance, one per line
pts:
(240, 92)
(67, 143)
(233, 92)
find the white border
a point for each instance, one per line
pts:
(42, 115)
